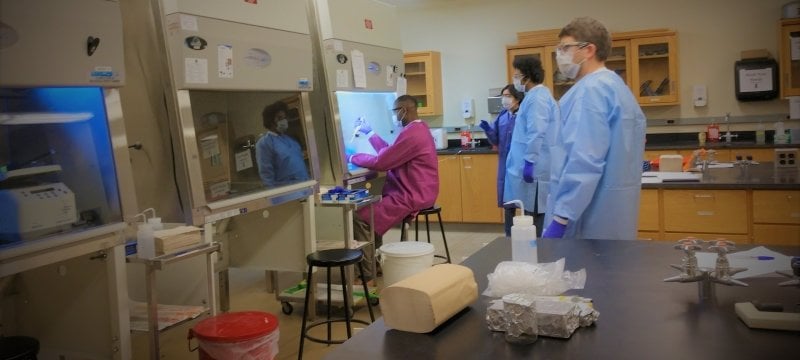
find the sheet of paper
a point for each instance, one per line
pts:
(359, 69)
(755, 80)
(342, 78)
(746, 259)
(209, 146)
(188, 22)
(389, 76)
(243, 160)
(219, 189)
(196, 70)
(225, 61)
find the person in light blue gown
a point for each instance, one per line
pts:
(597, 167)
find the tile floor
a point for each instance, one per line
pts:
(248, 293)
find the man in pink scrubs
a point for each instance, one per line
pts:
(412, 173)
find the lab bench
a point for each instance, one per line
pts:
(754, 204)
(641, 317)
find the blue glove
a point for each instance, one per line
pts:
(527, 172)
(485, 126)
(363, 126)
(554, 231)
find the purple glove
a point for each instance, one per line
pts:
(485, 126)
(363, 126)
(554, 231)
(527, 172)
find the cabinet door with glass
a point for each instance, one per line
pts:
(514, 53)
(790, 58)
(654, 69)
(619, 60)
(423, 73)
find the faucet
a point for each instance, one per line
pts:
(705, 277)
(728, 136)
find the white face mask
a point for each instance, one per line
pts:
(566, 66)
(282, 125)
(507, 102)
(518, 85)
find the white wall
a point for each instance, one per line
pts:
(471, 36)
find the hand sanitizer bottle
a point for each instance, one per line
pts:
(523, 237)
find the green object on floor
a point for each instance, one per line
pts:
(373, 294)
(297, 288)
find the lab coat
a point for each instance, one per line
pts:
(597, 171)
(499, 134)
(412, 175)
(530, 141)
(280, 160)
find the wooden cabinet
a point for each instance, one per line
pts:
(706, 211)
(758, 154)
(654, 70)
(424, 76)
(468, 188)
(450, 188)
(648, 211)
(776, 217)
(479, 189)
(743, 216)
(646, 60)
(789, 63)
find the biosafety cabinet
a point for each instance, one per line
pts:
(359, 61)
(237, 92)
(65, 180)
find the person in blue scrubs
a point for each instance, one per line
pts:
(279, 156)
(598, 167)
(499, 134)
(528, 163)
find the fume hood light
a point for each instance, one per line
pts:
(43, 118)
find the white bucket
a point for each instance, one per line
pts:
(400, 260)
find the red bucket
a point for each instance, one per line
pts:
(237, 335)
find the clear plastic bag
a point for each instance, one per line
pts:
(511, 277)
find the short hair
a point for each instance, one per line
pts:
(406, 99)
(272, 110)
(586, 29)
(519, 95)
(530, 67)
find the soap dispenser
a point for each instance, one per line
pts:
(523, 237)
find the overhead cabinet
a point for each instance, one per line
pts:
(424, 80)
(646, 60)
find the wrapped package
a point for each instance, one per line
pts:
(586, 311)
(556, 318)
(426, 299)
(496, 316)
(520, 319)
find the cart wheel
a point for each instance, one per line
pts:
(286, 307)
(374, 301)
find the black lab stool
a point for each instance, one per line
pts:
(435, 209)
(328, 259)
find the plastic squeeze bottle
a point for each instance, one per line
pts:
(523, 237)
(145, 242)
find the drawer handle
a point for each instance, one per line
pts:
(703, 196)
(705, 213)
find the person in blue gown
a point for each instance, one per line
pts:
(528, 163)
(279, 156)
(597, 166)
(498, 133)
